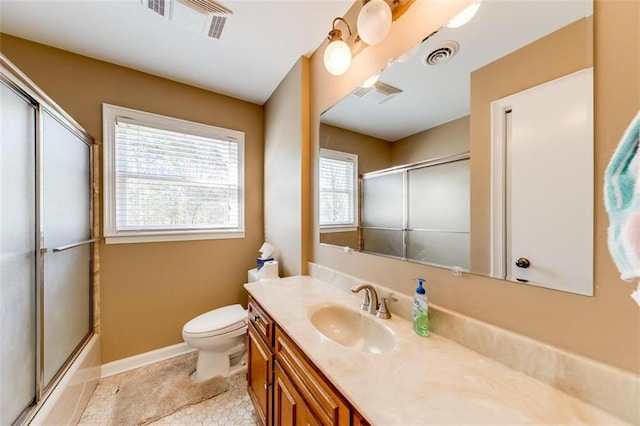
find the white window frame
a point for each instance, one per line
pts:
(343, 156)
(110, 114)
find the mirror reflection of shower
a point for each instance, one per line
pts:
(429, 222)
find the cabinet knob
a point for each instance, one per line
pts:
(523, 262)
(266, 385)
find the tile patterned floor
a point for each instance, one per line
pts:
(231, 408)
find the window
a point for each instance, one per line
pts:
(167, 179)
(338, 190)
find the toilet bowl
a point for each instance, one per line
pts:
(220, 337)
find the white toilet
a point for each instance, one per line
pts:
(220, 337)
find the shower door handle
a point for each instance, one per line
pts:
(69, 246)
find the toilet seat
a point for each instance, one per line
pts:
(228, 319)
(235, 330)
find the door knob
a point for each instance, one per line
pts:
(523, 262)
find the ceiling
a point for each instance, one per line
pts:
(260, 43)
(434, 95)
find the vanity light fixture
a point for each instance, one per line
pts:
(465, 16)
(337, 55)
(374, 21)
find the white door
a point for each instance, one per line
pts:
(548, 181)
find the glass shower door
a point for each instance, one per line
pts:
(383, 214)
(67, 225)
(439, 215)
(17, 254)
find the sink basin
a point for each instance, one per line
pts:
(354, 329)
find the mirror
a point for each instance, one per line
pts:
(441, 161)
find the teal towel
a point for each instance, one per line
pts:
(622, 201)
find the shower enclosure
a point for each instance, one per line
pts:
(419, 212)
(45, 244)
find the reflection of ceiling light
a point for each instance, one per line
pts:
(406, 56)
(465, 16)
(337, 55)
(370, 81)
(374, 21)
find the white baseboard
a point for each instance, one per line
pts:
(146, 358)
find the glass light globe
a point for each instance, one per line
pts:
(374, 21)
(465, 16)
(337, 57)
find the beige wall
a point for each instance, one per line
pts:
(373, 153)
(446, 139)
(148, 291)
(376, 154)
(562, 53)
(286, 157)
(605, 327)
(341, 239)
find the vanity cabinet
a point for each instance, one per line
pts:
(318, 395)
(358, 420)
(289, 408)
(284, 385)
(260, 361)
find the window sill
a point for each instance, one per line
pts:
(134, 238)
(332, 229)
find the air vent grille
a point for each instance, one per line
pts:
(378, 93)
(217, 25)
(205, 17)
(207, 6)
(442, 53)
(157, 6)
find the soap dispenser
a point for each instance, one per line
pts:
(420, 309)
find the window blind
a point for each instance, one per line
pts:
(337, 191)
(166, 180)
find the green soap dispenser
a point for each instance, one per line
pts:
(420, 310)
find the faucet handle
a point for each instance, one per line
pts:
(383, 310)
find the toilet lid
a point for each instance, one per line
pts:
(219, 320)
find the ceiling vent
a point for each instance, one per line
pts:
(442, 53)
(378, 93)
(204, 17)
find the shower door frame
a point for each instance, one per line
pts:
(17, 81)
(405, 229)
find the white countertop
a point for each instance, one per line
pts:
(428, 380)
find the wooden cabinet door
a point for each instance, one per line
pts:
(322, 400)
(289, 408)
(259, 375)
(357, 419)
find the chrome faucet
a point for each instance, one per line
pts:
(370, 302)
